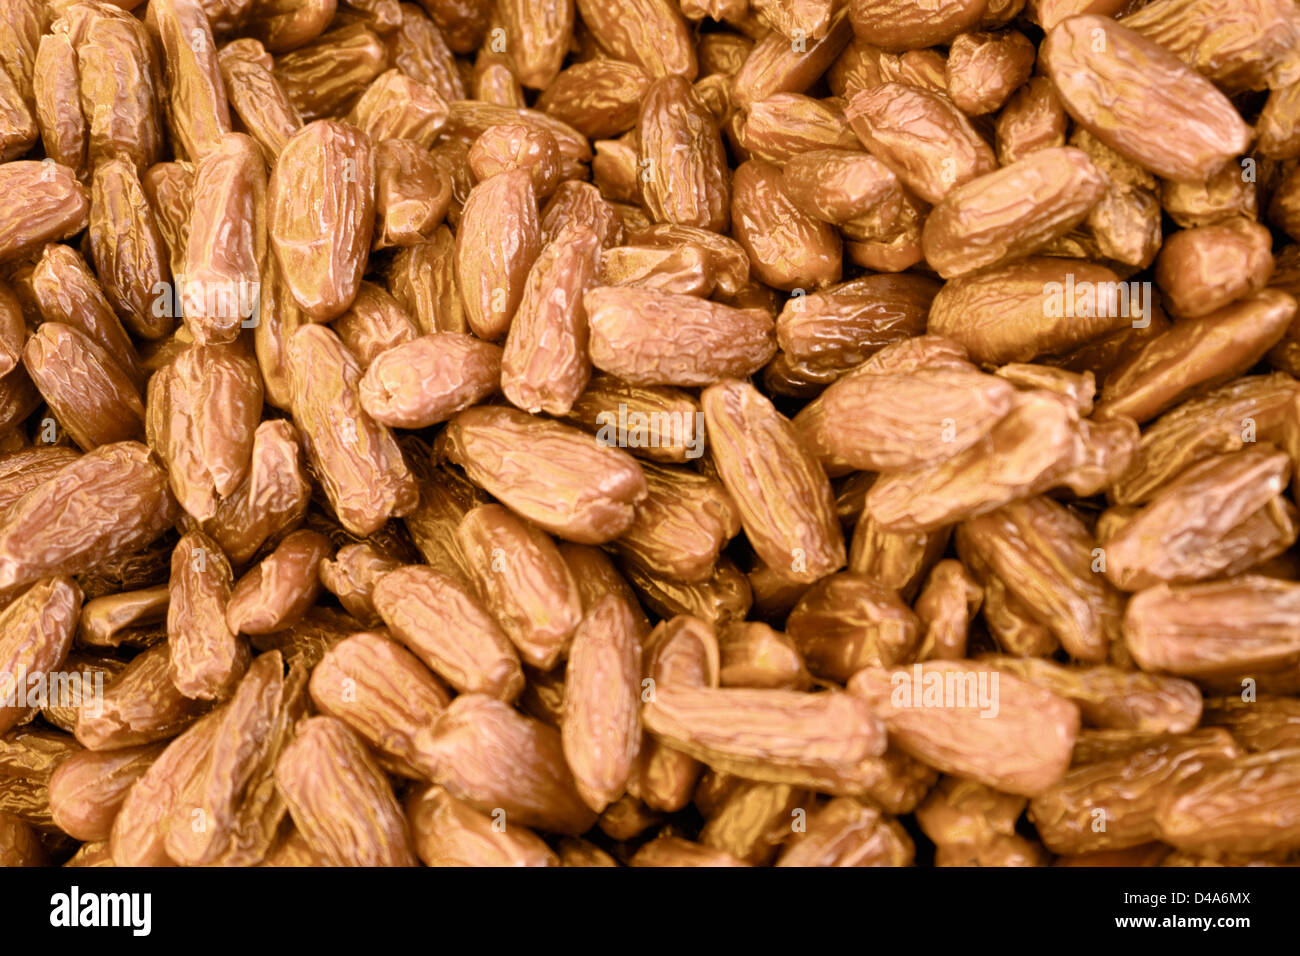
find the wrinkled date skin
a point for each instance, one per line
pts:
(683, 167)
(328, 75)
(203, 413)
(169, 187)
(601, 726)
(983, 69)
(55, 206)
(649, 33)
(544, 365)
(67, 291)
(339, 798)
(447, 627)
(682, 526)
(841, 185)
(1044, 555)
(383, 693)
(117, 71)
(781, 492)
(841, 326)
(321, 199)
(356, 458)
(1129, 791)
(1196, 353)
(537, 790)
(450, 832)
(847, 622)
(395, 106)
(775, 64)
(412, 193)
(646, 337)
(491, 273)
(922, 137)
(1011, 212)
(91, 394)
(1241, 47)
(110, 501)
(256, 96)
(375, 323)
(1193, 528)
(57, 108)
(1234, 807)
(227, 241)
(1035, 444)
(567, 482)
(598, 98)
(207, 657)
(1167, 629)
(650, 432)
(429, 379)
(1243, 262)
(35, 635)
(128, 250)
(861, 420)
(784, 126)
(279, 591)
(1023, 748)
(139, 706)
(898, 25)
(789, 731)
(88, 788)
(232, 793)
(1141, 100)
(1016, 312)
(524, 581)
(271, 499)
(197, 106)
(786, 247)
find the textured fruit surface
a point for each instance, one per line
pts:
(649, 433)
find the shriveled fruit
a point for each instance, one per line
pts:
(1139, 99)
(781, 492)
(968, 721)
(568, 483)
(340, 800)
(320, 200)
(108, 502)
